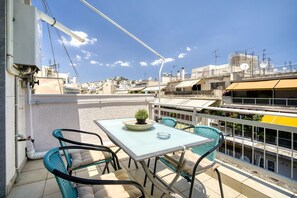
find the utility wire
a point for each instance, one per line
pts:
(60, 37)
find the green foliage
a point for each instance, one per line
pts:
(141, 114)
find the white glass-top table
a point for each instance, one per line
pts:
(142, 145)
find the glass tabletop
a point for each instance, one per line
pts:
(141, 145)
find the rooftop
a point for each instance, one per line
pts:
(36, 181)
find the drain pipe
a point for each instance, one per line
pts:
(16, 125)
(31, 152)
(9, 37)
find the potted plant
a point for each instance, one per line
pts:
(141, 115)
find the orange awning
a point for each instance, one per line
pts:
(287, 84)
(258, 85)
(230, 87)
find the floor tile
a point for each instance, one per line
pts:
(32, 190)
(51, 186)
(32, 176)
(33, 165)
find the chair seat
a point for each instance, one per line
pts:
(86, 157)
(109, 191)
(191, 159)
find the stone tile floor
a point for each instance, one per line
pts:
(36, 182)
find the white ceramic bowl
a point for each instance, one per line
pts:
(131, 125)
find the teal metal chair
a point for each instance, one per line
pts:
(116, 184)
(198, 159)
(168, 121)
(82, 158)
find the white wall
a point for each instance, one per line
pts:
(50, 112)
(10, 128)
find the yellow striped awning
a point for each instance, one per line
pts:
(287, 84)
(258, 85)
(230, 87)
(280, 120)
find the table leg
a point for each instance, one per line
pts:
(154, 180)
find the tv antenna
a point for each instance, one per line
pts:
(215, 55)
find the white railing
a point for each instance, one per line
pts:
(272, 147)
(265, 101)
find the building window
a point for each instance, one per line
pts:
(217, 85)
(271, 165)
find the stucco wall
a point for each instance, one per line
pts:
(50, 112)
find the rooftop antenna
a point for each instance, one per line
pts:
(215, 55)
(163, 59)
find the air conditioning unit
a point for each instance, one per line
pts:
(27, 36)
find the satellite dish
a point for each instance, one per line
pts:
(263, 64)
(275, 69)
(244, 66)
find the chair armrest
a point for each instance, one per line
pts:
(157, 119)
(221, 141)
(84, 132)
(98, 182)
(189, 127)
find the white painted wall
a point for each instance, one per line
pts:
(10, 128)
(50, 112)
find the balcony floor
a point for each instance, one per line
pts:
(35, 181)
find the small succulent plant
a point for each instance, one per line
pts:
(141, 114)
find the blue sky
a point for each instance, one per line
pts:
(185, 32)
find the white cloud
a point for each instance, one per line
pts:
(94, 62)
(78, 57)
(75, 43)
(159, 61)
(167, 60)
(143, 64)
(74, 64)
(122, 64)
(182, 55)
(87, 54)
(189, 49)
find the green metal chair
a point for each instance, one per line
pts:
(198, 159)
(82, 158)
(116, 184)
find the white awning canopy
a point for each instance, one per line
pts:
(136, 89)
(187, 103)
(187, 83)
(155, 88)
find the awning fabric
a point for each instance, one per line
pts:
(287, 84)
(230, 87)
(187, 102)
(187, 83)
(280, 120)
(199, 103)
(136, 89)
(155, 88)
(259, 85)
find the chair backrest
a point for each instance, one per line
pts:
(54, 164)
(171, 122)
(211, 133)
(59, 135)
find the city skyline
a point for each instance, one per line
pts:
(186, 34)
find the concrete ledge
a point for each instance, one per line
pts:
(247, 184)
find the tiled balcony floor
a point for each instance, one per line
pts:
(36, 182)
